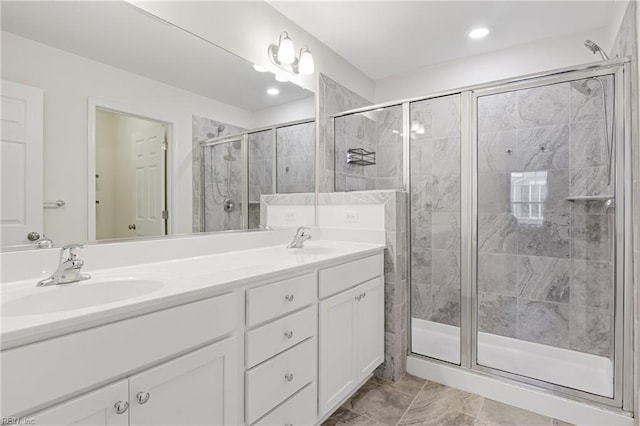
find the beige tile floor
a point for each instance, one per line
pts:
(414, 401)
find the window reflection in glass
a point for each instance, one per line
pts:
(528, 193)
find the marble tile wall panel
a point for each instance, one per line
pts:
(296, 162)
(332, 99)
(222, 179)
(204, 128)
(549, 274)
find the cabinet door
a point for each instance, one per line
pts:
(91, 409)
(338, 372)
(370, 326)
(200, 388)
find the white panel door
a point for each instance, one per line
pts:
(149, 163)
(370, 324)
(200, 388)
(338, 341)
(21, 163)
(95, 408)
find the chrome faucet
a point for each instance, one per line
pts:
(300, 238)
(68, 267)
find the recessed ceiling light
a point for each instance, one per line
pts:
(479, 33)
(273, 91)
(259, 68)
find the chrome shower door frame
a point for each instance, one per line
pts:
(623, 392)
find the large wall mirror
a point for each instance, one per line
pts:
(116, 124)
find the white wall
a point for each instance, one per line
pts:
(247, 28)
(515, 61)
(68, 80)
(292, 111)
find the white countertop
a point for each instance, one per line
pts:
(184, 280)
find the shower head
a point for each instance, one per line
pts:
(582, 87)
(593, 47)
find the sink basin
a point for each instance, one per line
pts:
(67, 297)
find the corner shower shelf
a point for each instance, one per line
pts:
(591, 198)
(361, 157)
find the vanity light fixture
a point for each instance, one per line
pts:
(273, 91)
(283, 55)
(481, 32)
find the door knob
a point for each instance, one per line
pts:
(142, 397)
(132, 227)
(33, 236)
(121, 407)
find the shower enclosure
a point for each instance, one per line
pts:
(519, 201)
(236, 170)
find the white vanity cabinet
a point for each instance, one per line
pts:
(351, 329)
(281, 352)
(189, 390)
(97, 408)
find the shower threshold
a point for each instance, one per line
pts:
(565, 367)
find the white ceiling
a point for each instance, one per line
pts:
(120, 35)
(386, 38)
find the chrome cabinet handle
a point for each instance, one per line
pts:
(364, 295)
(142, 397)
(132, 227)
(289, 297)
(33, 236)
(358, 297)
(121, 407)
(288, 377)
(288, 334)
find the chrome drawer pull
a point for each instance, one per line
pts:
(121, 407)
(289, 297)
(142, 397)
(288, 377)
(288, 334)
(358, 297)
(364, 295)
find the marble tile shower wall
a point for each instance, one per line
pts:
(435, 210)
(296, 159)
(260, 147)
(545, 264)
(378, 131)
(332, 99)
(204, 128)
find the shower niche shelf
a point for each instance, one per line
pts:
(361, 157)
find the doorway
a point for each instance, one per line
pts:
(130, 175)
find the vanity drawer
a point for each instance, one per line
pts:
(267, 384)
(299, 410)
(270, 301)
(51, 369)
(338, 278)
(272, 338)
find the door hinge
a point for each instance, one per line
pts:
(165, 144)
(165, 214)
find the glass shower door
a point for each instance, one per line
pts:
(435, 137)
(545, 227)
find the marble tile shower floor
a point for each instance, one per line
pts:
(414, 401)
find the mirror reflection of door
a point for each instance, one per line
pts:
(130, 176)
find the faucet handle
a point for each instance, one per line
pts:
(300, 231)
(73, 251)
